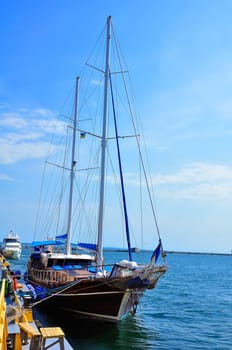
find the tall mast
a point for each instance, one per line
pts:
(103, 147)
(72, 170)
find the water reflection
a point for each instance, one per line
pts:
(128, 334)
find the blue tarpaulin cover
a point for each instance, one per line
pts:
(40, 243)
(89, 246)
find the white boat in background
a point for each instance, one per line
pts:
(11, 246)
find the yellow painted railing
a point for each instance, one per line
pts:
(3, 320)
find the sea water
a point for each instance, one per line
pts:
(190, 308)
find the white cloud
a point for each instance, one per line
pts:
(197, 173)
(49, 126)
(24, 134)
(197, 181)
(13, 138)
(12, 153)
(13, 120)
(206, 191)
(43, 112)
(5, 177)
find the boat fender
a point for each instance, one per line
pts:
(14, 283)
(32, 290)
(123, 263)
(16, 274)
(100, 274)
(132, 265)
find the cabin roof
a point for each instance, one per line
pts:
(70, 256)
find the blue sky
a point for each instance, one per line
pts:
(179, 53)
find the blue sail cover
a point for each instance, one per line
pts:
(44, 243)
(63, 237)
(87, 246)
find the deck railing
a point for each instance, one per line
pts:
(56, 278)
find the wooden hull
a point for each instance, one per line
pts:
(108, 299)
(102, 300)
(82, 290)
(107, 306)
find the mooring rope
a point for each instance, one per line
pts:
(59, 292)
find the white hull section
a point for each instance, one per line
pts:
(11, 253)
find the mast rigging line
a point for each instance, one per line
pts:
(120, 170)
(137, 141)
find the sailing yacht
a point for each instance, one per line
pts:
(11, 246)
(73, 276)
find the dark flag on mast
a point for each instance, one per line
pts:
(156, 253)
